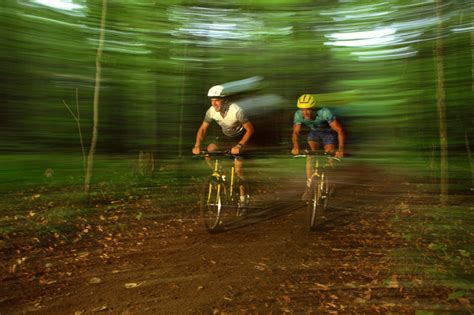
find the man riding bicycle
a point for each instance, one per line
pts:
(325, 130)
(236, 128)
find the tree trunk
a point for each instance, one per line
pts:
(441, 107)
(181, 108)
(146, 163)
(472, 90)
(469, 156)
(90, 156)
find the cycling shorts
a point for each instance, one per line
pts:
(224, 142)
(323, 136)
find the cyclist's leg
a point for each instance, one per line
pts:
(307, 195)
(313, 142)
(330, 148)
(212, 144)
(217, 143)
(329, 140)
(238, 164)
(210, 148)
(313, 145)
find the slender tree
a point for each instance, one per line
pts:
(77, 118)
(471, 164)
(441, 105)
(95, 124)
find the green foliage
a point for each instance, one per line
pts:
(371, 62)
(161, 57)
(456, 295)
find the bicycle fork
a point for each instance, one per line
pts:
(321, 178)
(218, 175)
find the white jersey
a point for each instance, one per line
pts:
(231, 123)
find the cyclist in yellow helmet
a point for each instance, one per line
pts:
(325, 130)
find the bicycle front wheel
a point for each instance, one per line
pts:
(213, 200)
(319, 200)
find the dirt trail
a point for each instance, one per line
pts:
(269, 263)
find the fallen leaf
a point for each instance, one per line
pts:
(465, 302)
(131, 285)
(319, 286)
(95, 280)
(392, 283)
(83, 254)
(102, 308)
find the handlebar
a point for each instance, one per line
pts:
(204, 153)
(327, 155)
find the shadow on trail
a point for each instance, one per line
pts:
(357, 195)
(257, 215)
(334, 218)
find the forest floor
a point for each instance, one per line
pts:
(381, 249)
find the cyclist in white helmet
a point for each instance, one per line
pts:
(325, 131)
(236, 128)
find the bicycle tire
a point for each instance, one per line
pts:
(325, 191)
(318, 202)
(213, 200)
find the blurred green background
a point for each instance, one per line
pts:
(379, 65)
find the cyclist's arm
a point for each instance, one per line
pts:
(201, 133)
(294, 138)
(248, 133)
(249, 130)
(336, 126)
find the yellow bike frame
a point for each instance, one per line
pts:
(217, 172)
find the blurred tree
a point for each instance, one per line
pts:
(441, 106)
(95, 124)
(160, 58)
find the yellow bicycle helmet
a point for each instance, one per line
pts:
(306, 101)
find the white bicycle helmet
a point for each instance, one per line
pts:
(216, 91)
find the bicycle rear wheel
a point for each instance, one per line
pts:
(319, 200)
(213, 200)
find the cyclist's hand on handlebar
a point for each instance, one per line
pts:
(196, 150)
(295, 151)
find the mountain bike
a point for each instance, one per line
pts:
(220, 196)
(320, 188)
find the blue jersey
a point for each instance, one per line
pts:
(321, 122)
